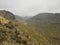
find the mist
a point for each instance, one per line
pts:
(30, 7)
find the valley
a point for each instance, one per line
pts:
(42, 29)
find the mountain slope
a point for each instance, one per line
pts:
(42, 29)
(10, 31)
(43, 16)
(47, 26)
(7, 14)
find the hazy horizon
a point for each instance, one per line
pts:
(30, 7)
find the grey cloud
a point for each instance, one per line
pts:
(30, 7)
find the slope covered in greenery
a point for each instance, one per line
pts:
(13, 32)
(7, 14)
(47, 27)
(42, 29)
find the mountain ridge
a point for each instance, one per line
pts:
(7, 14)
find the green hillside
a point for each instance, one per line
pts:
(42, 29)
(47, 27)
(13, 32)
(7, 14)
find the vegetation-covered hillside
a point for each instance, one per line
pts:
(47, 27)
(42, 29)
(7, 14)
(12, 32)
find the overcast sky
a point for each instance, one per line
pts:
(30, 7)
